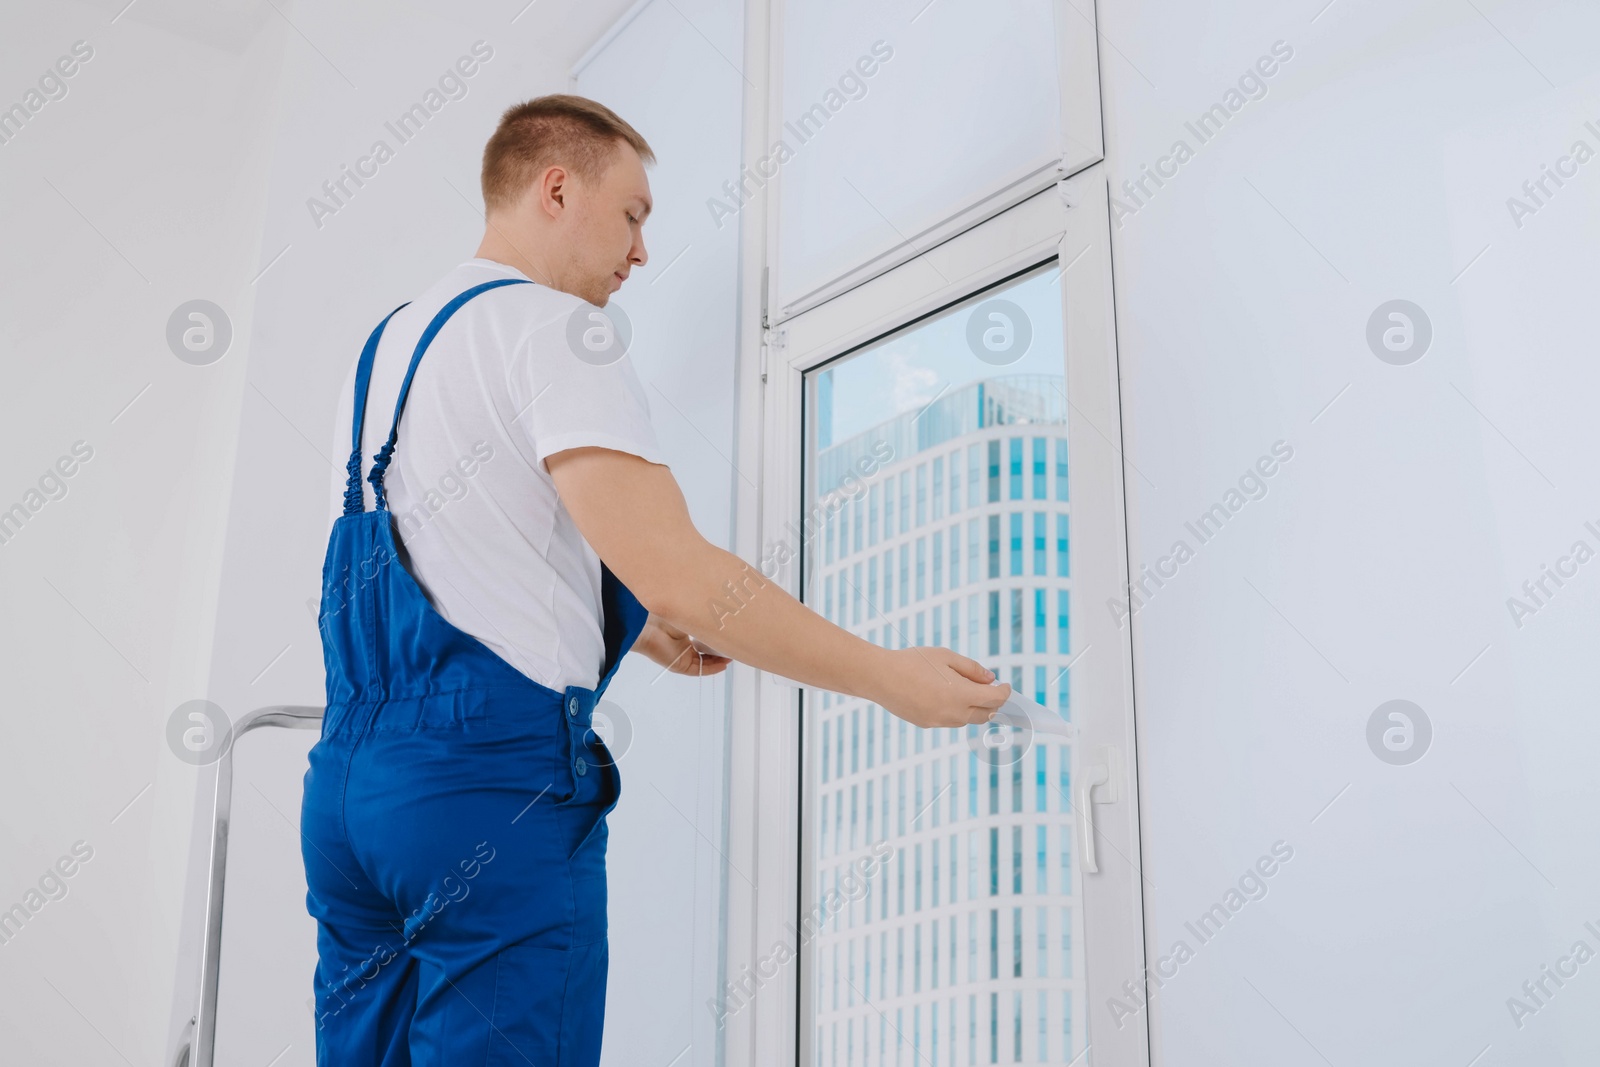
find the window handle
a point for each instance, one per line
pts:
(1093, 775)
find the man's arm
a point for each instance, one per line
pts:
(633, 514)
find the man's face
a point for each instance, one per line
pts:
(604, 227)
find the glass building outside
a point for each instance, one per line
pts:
(965, 947)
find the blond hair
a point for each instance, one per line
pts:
(560, 129)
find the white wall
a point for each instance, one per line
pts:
(138, 190)
(1379, 563)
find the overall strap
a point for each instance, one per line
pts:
(622, 618)
(353, 503)
(380, 460)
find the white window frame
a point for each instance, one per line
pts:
(1081, 145)
(1072, 222)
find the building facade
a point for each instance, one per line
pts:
(966, 946)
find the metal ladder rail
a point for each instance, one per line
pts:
(198, 1046)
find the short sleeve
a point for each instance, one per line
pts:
(564, 401)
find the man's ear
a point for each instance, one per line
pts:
(554, 185)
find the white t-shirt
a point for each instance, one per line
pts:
(480, 524)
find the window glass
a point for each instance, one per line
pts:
(948, 422)
(879, 140)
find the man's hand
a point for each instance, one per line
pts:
(664, 643)
(933, 687)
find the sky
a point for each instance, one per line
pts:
(907, 371)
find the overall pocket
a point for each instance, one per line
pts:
(607, 766)
(529, 750)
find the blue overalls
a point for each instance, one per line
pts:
(453, 824)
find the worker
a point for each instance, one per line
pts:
(519, 532)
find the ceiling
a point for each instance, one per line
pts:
(569, 28)
(563, 29)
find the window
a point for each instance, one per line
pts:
(927, 153)
(1041, 797)
(1016, 622)
(994, 872)
(1016, 868)
(994, 624)
(922, 495)
(1063, 795)
(1063, 633)
(855, 738)
(1041, 628)
(1014, 455)
(974, 475)
(955, 481)
(987, 433)
(1061, 468)
(974, 551)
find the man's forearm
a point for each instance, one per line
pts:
(633, 514)
(728, 604)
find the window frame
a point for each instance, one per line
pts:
(1081, 145)
(1069, 223)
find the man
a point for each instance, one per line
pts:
(454, 813)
